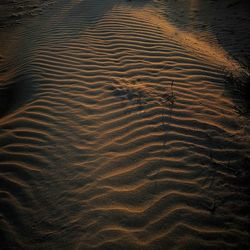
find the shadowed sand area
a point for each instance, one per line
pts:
(117, 130)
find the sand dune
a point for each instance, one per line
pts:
(117, 132)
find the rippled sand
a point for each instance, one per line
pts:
(117, 130)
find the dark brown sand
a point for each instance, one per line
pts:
(117, 128)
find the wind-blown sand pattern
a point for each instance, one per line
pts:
(117, 132)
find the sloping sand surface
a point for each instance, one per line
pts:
(117, 130)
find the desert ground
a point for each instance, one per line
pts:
(124, 124)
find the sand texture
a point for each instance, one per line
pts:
(117, 127)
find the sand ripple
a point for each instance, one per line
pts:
(116, 133)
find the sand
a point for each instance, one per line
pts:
(117, 127)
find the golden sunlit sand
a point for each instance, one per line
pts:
(121, 124)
